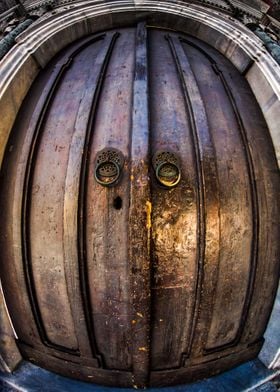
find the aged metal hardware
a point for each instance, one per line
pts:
(108, 165)
(167, 167)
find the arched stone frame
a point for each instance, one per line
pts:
(45, 38)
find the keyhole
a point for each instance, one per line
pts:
(117, 203)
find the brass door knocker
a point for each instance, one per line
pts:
(167, 168)
(108, 165)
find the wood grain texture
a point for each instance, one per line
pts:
(140, 214)
(139, 284)
(208, 236)
(235, 213)
(174, 216)
(107, 260)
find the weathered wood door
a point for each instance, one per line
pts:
(169, 273)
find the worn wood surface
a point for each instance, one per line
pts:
(138, 284)
(107, 261)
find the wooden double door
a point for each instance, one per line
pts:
(139, 236)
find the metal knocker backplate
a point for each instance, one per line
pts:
(167, 167)
(108, 165)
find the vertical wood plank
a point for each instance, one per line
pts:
(75, 213)
(175, 212)
(208, 234)
(254, 204)
(23, 150)
(140, 214)
(18, 272)
(107, 212)
(235, 215)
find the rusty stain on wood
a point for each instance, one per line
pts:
(149, 214)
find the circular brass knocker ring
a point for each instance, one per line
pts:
(108, 165)
(168, 174)
(107, 179)
(167, 168)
